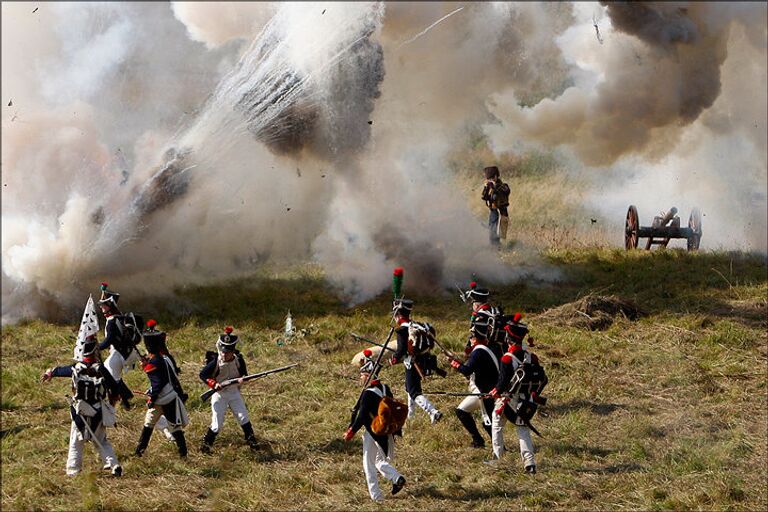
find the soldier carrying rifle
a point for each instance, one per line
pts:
(496, 197)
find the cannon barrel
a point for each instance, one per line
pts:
(668, 216)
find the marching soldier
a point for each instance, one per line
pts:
(378, 450)
(166, 396)
(224, 364)
(416, 360)
(496, 197)
(482, 369)
(122, 351)
(162, 349)
(89, 409)
(507, 408)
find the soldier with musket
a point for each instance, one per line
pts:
(496, 197)
(165, 395)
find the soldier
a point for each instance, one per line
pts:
(416, 360)
(508, 408)
(162, 349)
(89, 409)
(226, 363)
(496, 197)
(166, 396)
(122, 349)
(482, 369)
(378, 450)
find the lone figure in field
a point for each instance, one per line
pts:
(496, 197)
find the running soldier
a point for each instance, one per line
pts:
(413, 352)
(224, 364)
(162, 349)
(523, 396)
(165, 395)
(378, 450)
(89, 409)
(482, 369)
(496, 197)
(120, 340)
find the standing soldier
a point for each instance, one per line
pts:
(224, 364)
(482, 369)
(523, 401)
(119, 339)
(89, 409)
(166, 396)
(415, 359)
(496, 197)
(378, 450)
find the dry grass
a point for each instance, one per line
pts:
(665, 412)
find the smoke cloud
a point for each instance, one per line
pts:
(157, 147)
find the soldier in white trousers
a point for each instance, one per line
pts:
(225, 364)
(378, 450)
(90, 410)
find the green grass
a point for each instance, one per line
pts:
(666, 412)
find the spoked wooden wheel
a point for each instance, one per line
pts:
(694, 223)
(631, 227)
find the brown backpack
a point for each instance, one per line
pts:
(390, 417)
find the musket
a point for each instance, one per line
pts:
(445, 350)
(366, 340)
(462, 294)
(229, 382)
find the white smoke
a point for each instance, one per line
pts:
(155, 146)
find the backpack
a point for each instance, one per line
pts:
(496, 320)
(502, 194)
(130, 326)
(420, 338)
(390, 417)
(531, 385)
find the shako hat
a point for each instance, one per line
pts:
(516, 329)
(491, 172)
(227, 341)
(479, 329)
(479, 294)
(368, 365)
(402, 306)
(154, 339)
(108, 297)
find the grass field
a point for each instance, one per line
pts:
(669, 411)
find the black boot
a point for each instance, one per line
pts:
(146, 434)
(208, 440)
(466, 419)
(181, 442)
(250, 437)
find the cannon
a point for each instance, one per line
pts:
(663, 228)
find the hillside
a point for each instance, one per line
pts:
(668, 411)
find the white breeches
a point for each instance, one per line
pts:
(375, 460)
(423, 402)
(523, 433)
(227, 399)
(104, 447)
(471, 404)
(117, 364)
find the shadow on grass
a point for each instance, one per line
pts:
(600, 409)
(13, 430)
(457, 493)
(563, 448)
(339, 446)
(613, 469)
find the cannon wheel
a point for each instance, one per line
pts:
(694, 223)
(631, 226)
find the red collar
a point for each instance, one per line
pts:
(402, 321)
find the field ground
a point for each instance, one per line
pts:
(669, 411)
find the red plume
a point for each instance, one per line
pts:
(398, 272)
(517, 317)
(228, 329)
(151, 323)
(367, 352)
(472, 285)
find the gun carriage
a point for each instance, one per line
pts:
(663, 228)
